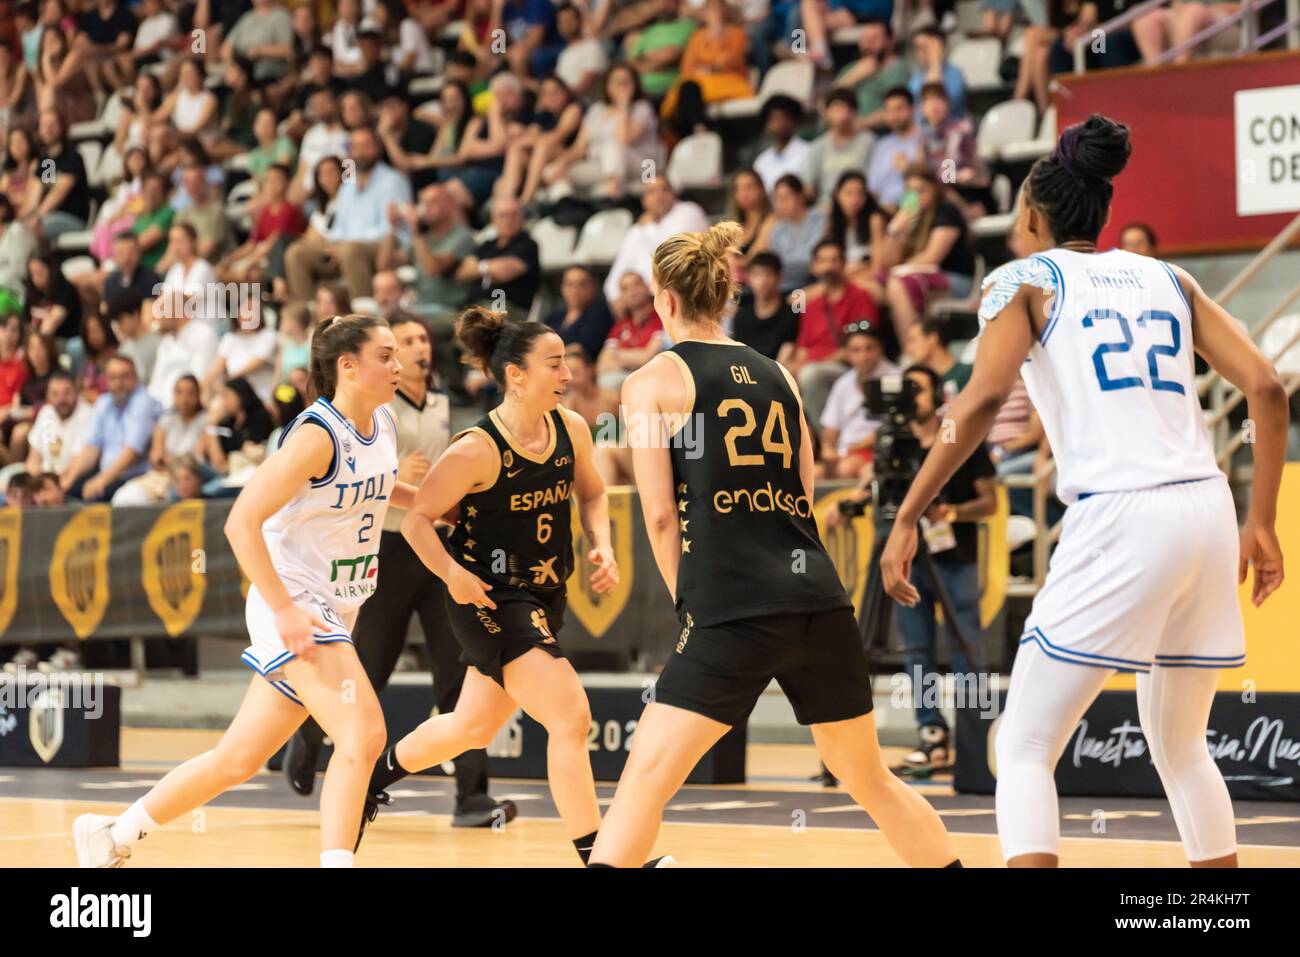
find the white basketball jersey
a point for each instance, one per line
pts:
(1112, 374)
(325, 541)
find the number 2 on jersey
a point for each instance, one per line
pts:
(1097, 316)
(775, 421)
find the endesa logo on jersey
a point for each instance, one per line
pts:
(354, 577)
(765, 498)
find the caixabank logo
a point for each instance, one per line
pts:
(11, 532)
(79, 568)
(172, 566)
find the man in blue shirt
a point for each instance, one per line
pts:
(121, 430)
(930, 53)
(370, 187)
(894, 153)
(533, 40)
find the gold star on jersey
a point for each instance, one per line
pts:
(683, 522)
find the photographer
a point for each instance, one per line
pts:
(952, 539)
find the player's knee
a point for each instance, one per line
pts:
(363, 743)
(478, 734)
(235, 766)
(570, 723)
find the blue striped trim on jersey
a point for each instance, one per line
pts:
(1200, 661)
(1082, 657)
(287, 690)
(1082, 495)
(391, 421)
(1177, 285)
(310, 415)
(374, 422)
(1058, 302)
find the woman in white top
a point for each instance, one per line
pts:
(134, 128)
(247, 351)
(190, 107)
(179, 432)
(191, 281)
(343, 39)
(618, 135)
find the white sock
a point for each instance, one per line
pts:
(336, 858)
(132, 826)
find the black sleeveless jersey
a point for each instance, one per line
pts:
(749, 542)
(517, 533)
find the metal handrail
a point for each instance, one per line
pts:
(1224, 458)
(1265, 39)
(1248, 12)
(1114, 23)
(1249, 8)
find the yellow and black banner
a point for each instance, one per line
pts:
(154, 572)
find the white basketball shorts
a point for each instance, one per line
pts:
(1145, 578)
(266, 653)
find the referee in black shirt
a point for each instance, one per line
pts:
(407, 587)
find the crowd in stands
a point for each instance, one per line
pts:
(190, 186)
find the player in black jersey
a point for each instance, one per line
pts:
(729, 514)
(508, 480)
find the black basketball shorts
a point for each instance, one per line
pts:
(817, 658)
(491, 638)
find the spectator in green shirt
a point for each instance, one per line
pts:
(656, 51)
(155, 220)
(874, 74)
(926, 343)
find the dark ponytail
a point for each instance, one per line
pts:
(493, 341)
(336, 336)
(1072, 187)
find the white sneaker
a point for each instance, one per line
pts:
(65, 659)
(24, 659)
(92, 835)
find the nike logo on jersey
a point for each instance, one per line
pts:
(514, 473)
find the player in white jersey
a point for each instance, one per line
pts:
(1145, 576)
(305, 530)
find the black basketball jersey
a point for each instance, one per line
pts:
(517, 533)
(749, 542)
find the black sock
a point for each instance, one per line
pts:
(386, 771)
(956, 863)
(583, 846)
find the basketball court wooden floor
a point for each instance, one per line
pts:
(779, 818)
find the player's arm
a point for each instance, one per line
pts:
(468, 463)
(403, 495)
(1224, 344)
(652, 466)
(1004, 344)
(593, 503)
(306, 455)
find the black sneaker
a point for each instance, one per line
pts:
(825, 778)
(300, 763)
(369, 812)
(479, 810)
(933, 752)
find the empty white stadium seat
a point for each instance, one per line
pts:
(78, 266)
(555, 244)
(1040, 145)
(696, 163)
(793, 78)
(602, 235)
(1008, 122)
(77, 241)
(979, 60)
